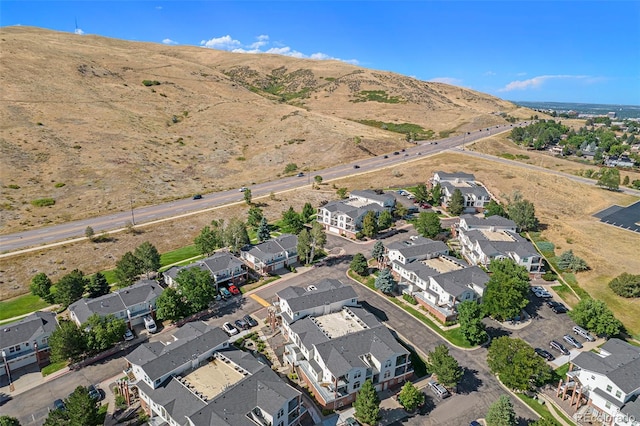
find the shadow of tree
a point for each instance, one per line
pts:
(469, 383)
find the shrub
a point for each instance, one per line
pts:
(150, 83)
(13, 186)
(549, 276)
(43, 202)
(626, 285)
(59, 184)
(409, 298)
(290, 168)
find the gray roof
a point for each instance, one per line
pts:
(372, 195)
(328, 291)
(418, 247)
(472, 189)
(607, 397)
(284, 243)
(487, 222)
(521, 246)
(352, 211)
(622, 366)
(632, 407)
(27, 329)
(343, 353)
(157, 361)
(143, 291)
(174, 397)
(444, 176)
(456, 282)
(309, 332)
(215, 264)
(419, 269)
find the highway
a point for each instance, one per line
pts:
(21, 242)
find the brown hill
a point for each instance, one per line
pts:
(79, 126)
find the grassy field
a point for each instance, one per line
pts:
(20, 305)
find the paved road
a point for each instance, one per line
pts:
(36, 238)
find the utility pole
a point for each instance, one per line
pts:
(133, 219)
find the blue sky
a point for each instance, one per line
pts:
(563, 51)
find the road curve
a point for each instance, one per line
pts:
(20, 242)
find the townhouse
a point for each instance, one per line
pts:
(26, 341)
(224, 267)
(335, 345)
(475, 195)
(131, 304)
(494, 237)
(200, 380)
(345, 217)
(610, 380)
(271, 255)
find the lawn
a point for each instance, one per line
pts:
(178, 255)
(53, 367)
(21, 305)
(541, 409)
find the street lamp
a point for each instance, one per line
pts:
(6, 366)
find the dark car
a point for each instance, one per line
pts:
(396, 153)
(557, 307)
(241, 325)
(94, 392)
(355, 166)
(300, 174)
(249, 320)
(545, 354)
(58, 404)
(386, 156)
(197, 197)
(559, 347)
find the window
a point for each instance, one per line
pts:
(358, 374)
(387, 364)
(618, 394)
(608, 404)
(609, 388)
(387, 374)
(356, 385)
(280, 413)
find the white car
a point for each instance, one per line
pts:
(242, 189)
(128, 335)
(150, 324)
(312, 288)
(229, 328)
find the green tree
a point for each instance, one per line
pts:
(626, 285)
(208, 240)
(378, 252)
(494, 209)
(456, 203)
(171, 306)
(263, 230)
(400, 211)
(128, 268)
(570, 262)
(235, 235)
(470, 320)
(341, 193)
(41, 286)
(290, 168)
(149, 257)
(82, 409)
(9, 421)
(318, 239)
(359, 265)
(501, 413)
(445, 366)
(291, 221)
(609, 179)
(595, 316)
(367, 404)
(307, 212)
(421, 193)
(436, 194)
(57, 418)
(625, 181)
(318, 179)
(516, 364)
(304, 246)
(385, 282)
(197, 286)
(97, 285)
(385, 220)
(522, 212)
(247, 196)
(370, 224)
(70, 287)
(67, 342)
(428, 224)
(103, 332)
(410, 397)
(544, 421)
(506, 291)
(254, 216)
(89, 233)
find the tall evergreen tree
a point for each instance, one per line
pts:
(291, 221)
(359, 265)
(370, 224)
(317, 239)
(304, 246)
(501, 413)
(378, 252)
(128, 269)
(367, 404)
(149, 257)
(98, 285)
(70, 287)
(307, 212)
(254, 216)
(385, 282)
(456, 203)
(385, 220)
(263, 230)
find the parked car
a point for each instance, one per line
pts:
(229, 328)
(351, 422)
(128, 335)
(559, 347)
(241, 324)
(386, 156)
(396, 153)
(233, 289)
(537, 288)
(311, 288)
(249, 320)
(58, 404)
(300, 174)
(557, 307)
(545, 354)
(94, 393)
(242, 189)
(543, 294)
(474, 423)
(197, 197)
(355, 166)
(583, 333)
(150, 324)
(225, 293)
(572, 341)
(439, 390)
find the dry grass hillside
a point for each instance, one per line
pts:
(77, 124)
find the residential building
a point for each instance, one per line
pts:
(224, 267)
(619, 161)
(335, 345)
(345, 217)
(610, 380)
(200, 380)
(131, 304)
(26, 341)
(437, 281)
(475, 195)
(271, 255)
(495, 237)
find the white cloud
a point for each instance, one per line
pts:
(261, 40)
(169, 41)
(447, 80)
(224, 43)
(79, 31)
(536, 82)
